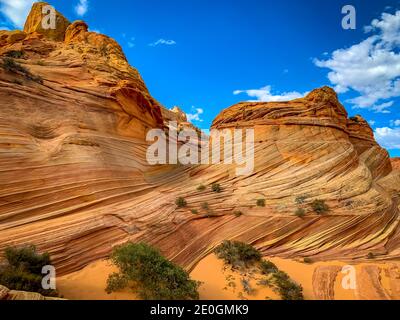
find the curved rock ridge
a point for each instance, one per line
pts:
(74, 179)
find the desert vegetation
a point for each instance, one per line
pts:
(181, 202)
(237, 254)
(149, 274)
(244, 257)
(320, 207)
(16, 54)
(201, 188)
(215, 187)
(22, 270)
(10, 65)
(300, 212)
(261, 203)
(300, 199)
(237, 213)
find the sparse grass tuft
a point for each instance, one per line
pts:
(16, 54)
(14, 67)
(300, 212)
(201, 188)
(300, 199)
(205, 206)
(216, 188)
(181, 202)
(307, 260)
(261, 203)
(238, 213)
(194, 211)
(320, 207)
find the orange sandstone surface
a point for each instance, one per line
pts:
(75, 181)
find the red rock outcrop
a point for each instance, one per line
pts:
(38, 14)
(75, 181)
(395, 163)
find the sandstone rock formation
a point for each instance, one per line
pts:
(395, 163)
(36, 17)
(6, 294)
(75, 181)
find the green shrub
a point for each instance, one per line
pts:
(319, 206)
(23, 270)
(16, 54)
(355, 119)
(300, 199)
(11, 66)
(261, 203)
(238, 213)
(152, 276)
(201, 188)
(307, 260)
(371, 256)
(300, 212)
(216, 188)
(247, 286)
(286, 287)
(237, 254)
(181, 202)
(267, 267)
(194, 211)
(205, 206)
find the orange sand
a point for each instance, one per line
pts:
(89, 284)
(218, 281)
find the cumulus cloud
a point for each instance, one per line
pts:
(82, 7)
(371, 67)
(264, 94)
(16, 11)
(196, 115)
(162, 42)
(388, 138)
(395, 123)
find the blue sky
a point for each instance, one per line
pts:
(205, 55)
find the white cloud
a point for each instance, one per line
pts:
(162, 42)
(131, 42)
(82, 7)
(371, 67)
(395, 123)
(16, 11)
(388, 138)
(372, 122)
(264, 94)
(196, 115)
